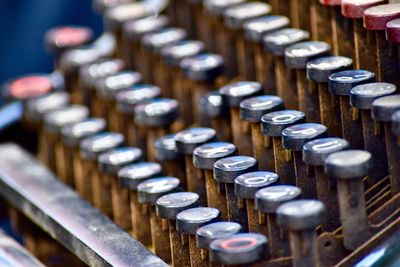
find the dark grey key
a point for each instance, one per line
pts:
(132, 175)
(213, 231)
(154, 42)
(276, 42)
(175, 53)
(235, 16)
(256, 29)
(298, 55)
(37, 108)
(92, 146)
(55, 120)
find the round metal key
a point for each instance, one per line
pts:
(92, 146)
(112, 161)
(175, 53)
(255, 29)
(348, 164)
(135, 29)
(276, 42)
(272, 124)
(61, 38)
(217, 7)
(168, 206)
(72, 59)
(362, 96)
(294, 137)
(235, 16)
(341, 83)
(319, 70)
(236, 92)
(115, 16)
(203, 67)
(56, 119)
(188, 221)
(165, 148)
(355, 8)
(298, 55)
(239, 249)
(246, 185)
(384, 107)
(100, 6)
(108, 87)
(212, 105)
(206, 155)
(154, 42)
(91, 73)
(152, 189)
(267, 200)
(315, 152)
(301, 214)
(75, 132)
(227, 169)
(156, 112)
(396, 122)
(132, 175)
(376, 17)
(253, 108)
(213, 231)
(129, 98)
(39, 106)
(187, 140)
(27, 87)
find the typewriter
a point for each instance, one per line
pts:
(208, 133)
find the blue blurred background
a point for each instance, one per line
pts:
(23, 24)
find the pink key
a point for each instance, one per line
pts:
(375, 18)
(330, 2)
(67, 36)
(393, 31)
(355, 8)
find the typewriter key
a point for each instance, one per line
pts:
(206, 234)
(204, 157)
(225, 172)
(27, 87)
(70, 63)
(318, 72)
(375, 19)
(107, 195)
(293, 138)
(72, 134)
(152, 45)
(364, 41)
(186, 142)
(201, 72)
(106, 90)
(361, 98)
(349, 168)
(301, 217)
(59, 39)
(116, 16)
(172, 56)
(53, 122)
(154, 118)
(129, 178)
(260, 65)
(251, 110)
(340, 83)
(234, 18)
(267, 200)
(166, 152)
(91, 73)
(214, 108)
(100, 6)
(215, 10)
(272, 125)
(246, 186)
(133, 31)
(126, 103)
(305, 96)
(187, 223)
(382, 110)
(277, 41)
(167, 208)
(240, 249)
(90, 148)
(232, 95)
(314, 154)
(36, 109)
(148, 193)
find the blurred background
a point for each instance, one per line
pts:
(24, 23)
